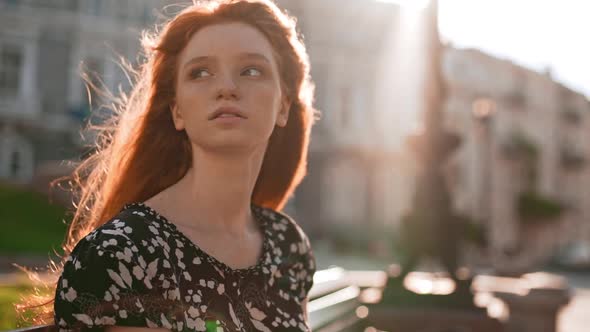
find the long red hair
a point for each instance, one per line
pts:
(139, 153)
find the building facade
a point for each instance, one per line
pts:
(356, 173)
(44, 48)
(525, 139)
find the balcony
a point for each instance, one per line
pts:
(517, 146)
(571, 160)
(516, 99)
(571, 116)
(533, 208)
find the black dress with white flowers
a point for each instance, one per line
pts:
(139, 270)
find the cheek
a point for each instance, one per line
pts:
(191, 102)
(268, 100)
(188, 93)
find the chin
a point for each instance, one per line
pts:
(228, 145)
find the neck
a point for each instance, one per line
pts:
(218, 189)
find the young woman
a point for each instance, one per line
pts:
(178, 224)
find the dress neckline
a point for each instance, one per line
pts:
(256, 213)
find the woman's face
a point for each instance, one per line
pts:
(227, 68)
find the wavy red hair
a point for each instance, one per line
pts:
(139, 153)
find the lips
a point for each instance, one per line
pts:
(227, 111)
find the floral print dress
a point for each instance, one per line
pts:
(139, 270)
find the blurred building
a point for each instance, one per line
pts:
(522, 132)
(44, 44)
(524, 136)
(356, 173)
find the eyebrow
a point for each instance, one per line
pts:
(246, 55)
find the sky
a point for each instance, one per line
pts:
(533, 33)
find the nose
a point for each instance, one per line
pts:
(227, 88)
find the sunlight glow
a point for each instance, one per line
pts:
(330, 274)
(399, 83)
(483, 108)
(411, 4)
(371, 295)
(535, 34)
(362, 312)
(428, 283)
(498, 309)
(333, 299)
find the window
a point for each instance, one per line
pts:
(11, 58)
(16, 157)
(121, 9)
(94, 68)
(147, 14)
(93, 7)
(344, 189)
(12, 3)
(345, 108)
(56, 4)
(352, 104)
(15, 164)
(320, 79)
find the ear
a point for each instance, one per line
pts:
(283, 115)
(177, 117)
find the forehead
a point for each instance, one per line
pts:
(227, 40)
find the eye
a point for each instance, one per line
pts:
(252, 71)
(199, 73)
